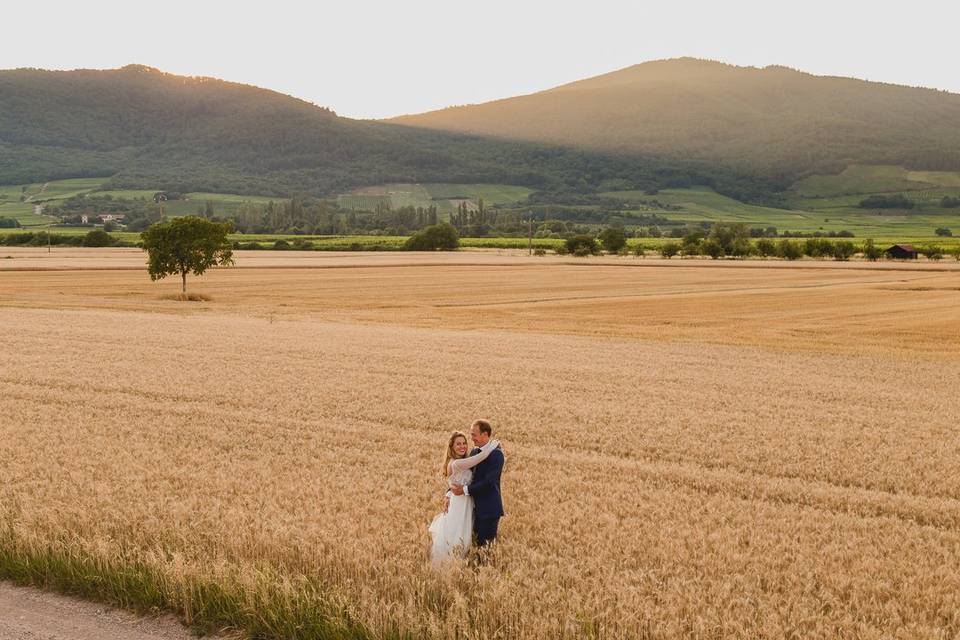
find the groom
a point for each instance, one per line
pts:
(484, 487)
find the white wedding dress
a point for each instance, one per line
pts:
(452, 531)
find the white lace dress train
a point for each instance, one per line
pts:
(452, 531)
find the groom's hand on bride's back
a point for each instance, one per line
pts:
(457, 489)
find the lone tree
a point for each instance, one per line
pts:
(185, 245)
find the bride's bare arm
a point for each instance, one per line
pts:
(469, 463)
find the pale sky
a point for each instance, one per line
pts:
(377, 59)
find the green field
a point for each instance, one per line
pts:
(493, 194)
(24, 213)
(40, 193)
(445, 197)
(941, 178)
(702, 204)
(861, 179)
(63, 189)
(865, 179)
(11, 205)
(223, 203)
(129, 194)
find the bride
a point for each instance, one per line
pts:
(452, 530)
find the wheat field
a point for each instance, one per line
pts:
(693, 451)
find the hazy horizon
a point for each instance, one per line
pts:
(364, 60)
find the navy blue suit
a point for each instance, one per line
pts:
(485, 491)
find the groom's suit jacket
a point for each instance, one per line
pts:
(485, 486)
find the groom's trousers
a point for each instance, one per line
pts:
(485, 530)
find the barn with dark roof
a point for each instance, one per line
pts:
(903, 252)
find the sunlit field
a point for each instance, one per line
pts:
(695, 449)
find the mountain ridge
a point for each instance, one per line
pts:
(146, 128)
(746, 118)
(748, 132)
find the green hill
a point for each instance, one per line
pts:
(146, 129)
(773, 121)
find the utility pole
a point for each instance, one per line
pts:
(160, 198)
(530, 233)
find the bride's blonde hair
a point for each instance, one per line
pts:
(450, 455)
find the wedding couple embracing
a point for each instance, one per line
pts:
(472, 506)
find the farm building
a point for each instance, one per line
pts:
(902, 252)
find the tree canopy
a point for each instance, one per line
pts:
(186, 245)
(442, 237)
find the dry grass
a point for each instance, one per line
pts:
(692, 452)
(187, 297)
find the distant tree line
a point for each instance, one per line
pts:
(734, 241)
(950, 203)
(897, 201)
(94, 238)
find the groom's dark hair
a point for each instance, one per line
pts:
(484, 426)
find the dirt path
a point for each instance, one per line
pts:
(30, 614)
(37, 194)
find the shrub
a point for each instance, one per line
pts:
(817, 248)
(731, 237)
(98, 238)
(933, 252)
(944, 232)
(871, 251)
(711, 248)
(690, 249)
(741, 248)
(789, 250)
(438, 237)
(539, 251)
(843, 250)
(281, 245)
(639, 251)
(766, 247)
(669, 249)
(562, 250)
(613, 239)
(582, 245)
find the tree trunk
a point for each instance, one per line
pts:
(183, 274)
